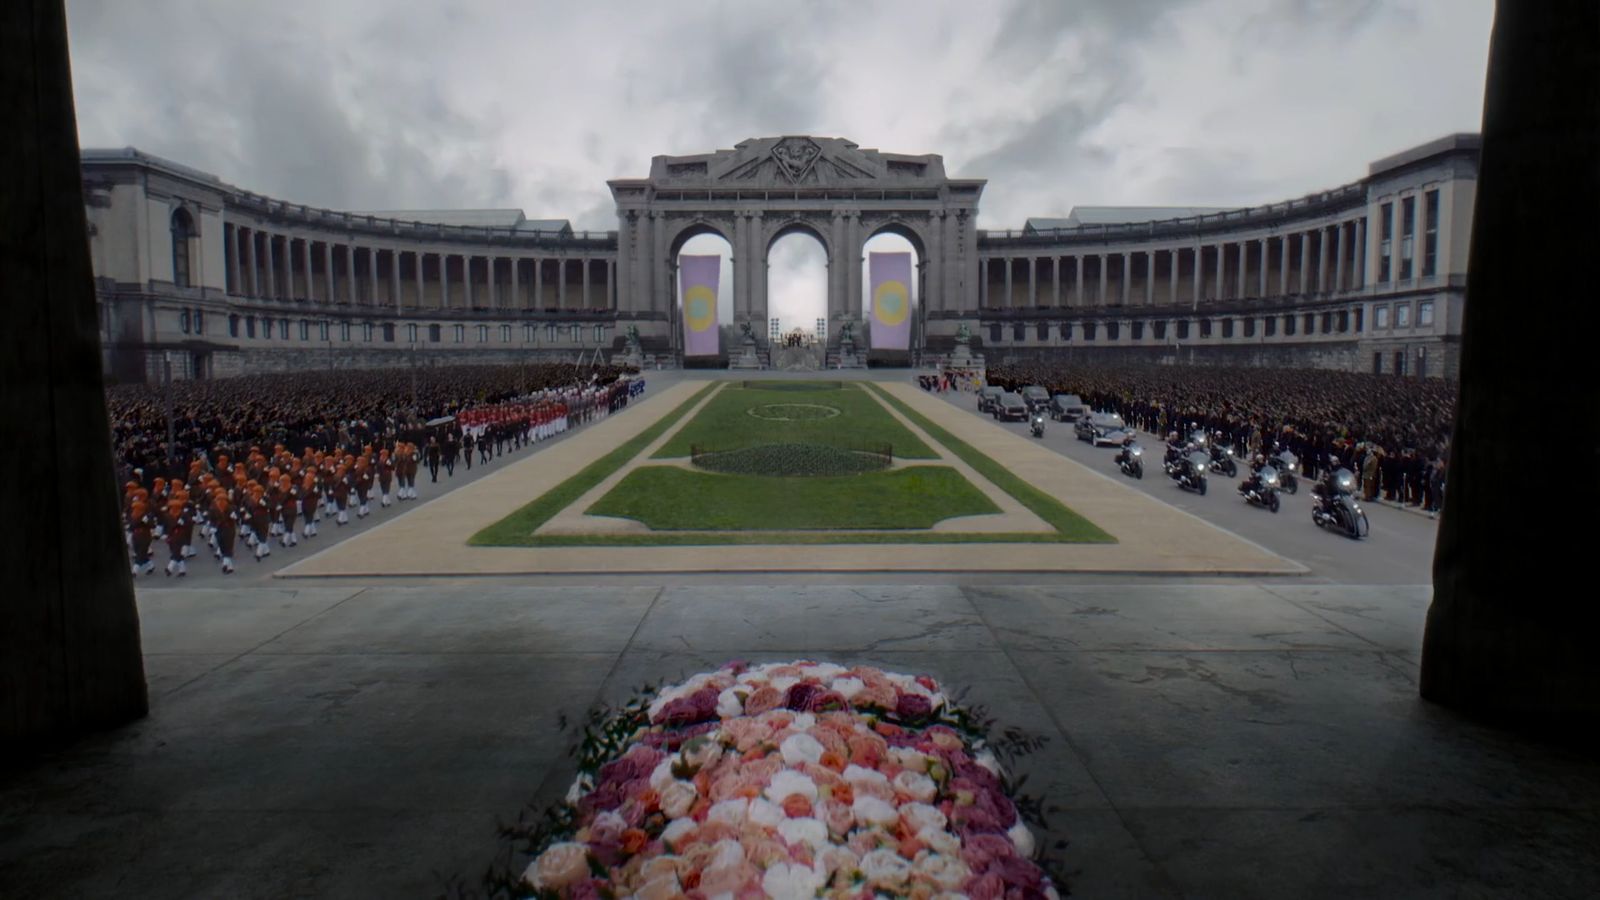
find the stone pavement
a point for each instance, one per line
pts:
(1236, 739)
(1151, 536)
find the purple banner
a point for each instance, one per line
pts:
(697, 279)
(891, 300)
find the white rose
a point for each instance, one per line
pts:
(580, 785)
(1022, 838)
(948, 872)
(730, 812)
(848, 687)
(661, 775)
(783, 683)
(907, 758)
(885, 869)
(791, 881)
(558, 866)
(804, 830)
(677, 830)
(916, 785)
(729, 705)
(940, 841)
(874, 811)
(765, 812)
(800, 748)
(857, 775)
(920, 816)
(986, 759)
(726, 852)
(826, 670)
(804, 721)
(677, 798)
(787, 783)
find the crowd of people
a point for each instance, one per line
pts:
(1393, 433)
(265, 458)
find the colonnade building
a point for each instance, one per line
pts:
(210, 280)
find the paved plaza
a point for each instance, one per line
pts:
(1221, 739)
(354, 726)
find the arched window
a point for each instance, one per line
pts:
(182, 233)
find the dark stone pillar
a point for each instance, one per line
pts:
(1513, 628)
(69, 631)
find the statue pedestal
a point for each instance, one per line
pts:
(746, 358)
(847, 355)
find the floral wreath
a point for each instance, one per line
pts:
(788, 780)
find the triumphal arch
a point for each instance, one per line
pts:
(766, 188)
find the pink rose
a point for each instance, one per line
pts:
(558, 866)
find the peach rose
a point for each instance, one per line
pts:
(558, 866)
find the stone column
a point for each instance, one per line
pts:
(1339, 246)
(1055, 282)
(270, 269)
(1127, 277)
(1322, 260)
(1172, 275)
(235, 286)
(444, 281)
(627, 233)
(1007, 304)
(1033, 281)
(1305, 261)
(305, 262)
(470, 299)
(935, 299)
(1515, 643)
(1150, 278)
(1283, 268)
(758, 273)
(494, 290)
(395, 292)
(837, 277)
(1077, 296)
(1222, 273)
(288, 268)
(585, 262)
(663, 270)
(1266, 258)
(853, 246)
(611, 285)
(1199, 272)
(538, 283)
(327, 269)
(516, 284)
(70, 660)
(1244, 269)
(561, 283)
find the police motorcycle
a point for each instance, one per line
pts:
(1036, 422)
(1261, 487)
(1334, 506)
(1131, 459)
(1189, 470)
(1222, 457)
(1288, 467)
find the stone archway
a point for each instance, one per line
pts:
(763, 187)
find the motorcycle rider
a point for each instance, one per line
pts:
(1327, 488)
(1175, 447)
(1126, 453)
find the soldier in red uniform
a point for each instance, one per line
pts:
(339, 490)
(177, 526)
(310, 497)
(289, 509)
(260, 519)
(226, 531)
(361, 481)
(385, 477)
(141, 536)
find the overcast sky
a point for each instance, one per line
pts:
(390, 104)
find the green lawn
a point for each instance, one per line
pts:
(727, 423)
(518, 527)
(667, 498)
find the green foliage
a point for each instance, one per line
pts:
(667, 498)
(518, 527)
(728, 422)
(791, 460)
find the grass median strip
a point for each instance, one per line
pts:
(517, 529)
(1070, 525)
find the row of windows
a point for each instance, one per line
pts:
(370, 330)
(1402, 315)
(1340, 322)
(1408, 230)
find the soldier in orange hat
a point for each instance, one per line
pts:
(289, 508)
(361, 478)
(385, 477)
(141, 536)
(310, 496)
(176, 524)
(222, 519)
(339, 490)
(260, 514)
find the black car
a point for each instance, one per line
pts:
(1068, 408)
(1011, 408)
(1101, 428)
(1036, 397)
(987, 397)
